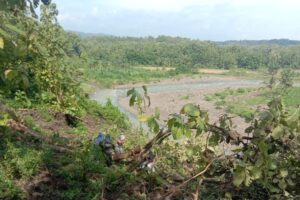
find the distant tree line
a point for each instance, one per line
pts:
(185, 53)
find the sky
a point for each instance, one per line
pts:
(216, 20)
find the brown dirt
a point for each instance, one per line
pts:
(59, 125)
(212, 71)
(41, 185)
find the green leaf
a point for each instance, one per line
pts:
(4, 33)
(175, 121)
(249, 129)
(15, 29)
(157, 113)
(1, 43)
(132, 101)
(177, 133)
(263, 147)
(278, 132)
(214, 139)
(4, 119)
(200, 127)
(282, 184)
(190, 110)
(256, 172)
(25, 82)
(10, 74)
(153, 124)
(239, 176)
(293, 120)
(145, 89)
(283, 173)
(131, 91)
(144, 118)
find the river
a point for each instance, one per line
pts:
(118, 93)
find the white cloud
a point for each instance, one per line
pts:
(203, 19)
(178, 5)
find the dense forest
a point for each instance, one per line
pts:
(187, 54)
(48, 123)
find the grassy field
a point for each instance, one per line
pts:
(244, 101)
(117, 76)
(108, 77)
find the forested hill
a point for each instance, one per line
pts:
(186, 54)
(280, 42)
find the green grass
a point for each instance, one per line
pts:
(292, 99)
(185, 97)
(116, 76)
(87, 88)
(246, 107)
(239, 109)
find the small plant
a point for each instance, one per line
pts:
(22, 100)
(185, 97)
(30, 122)
(241, 90)
(208, 97)
(21, 162)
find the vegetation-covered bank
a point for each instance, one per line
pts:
(244, 102)
(186, 54)
(47, 124)
(44, 154)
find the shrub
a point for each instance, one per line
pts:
(241, 90)
(21, 162)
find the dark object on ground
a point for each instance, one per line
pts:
(71, 120)
(148, 163)
(108, 148)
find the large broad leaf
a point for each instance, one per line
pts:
(175, 121)
(134, 96)
(153, 125)
(177, 133)
(1, 43)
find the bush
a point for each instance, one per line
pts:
(241, 90)
(8, 189)
(112, 113)
(21, 162)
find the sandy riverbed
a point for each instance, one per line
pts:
(172, 102)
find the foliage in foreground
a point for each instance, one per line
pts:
(37, 57)
(266, 156)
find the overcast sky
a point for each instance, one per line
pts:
(201, 19)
